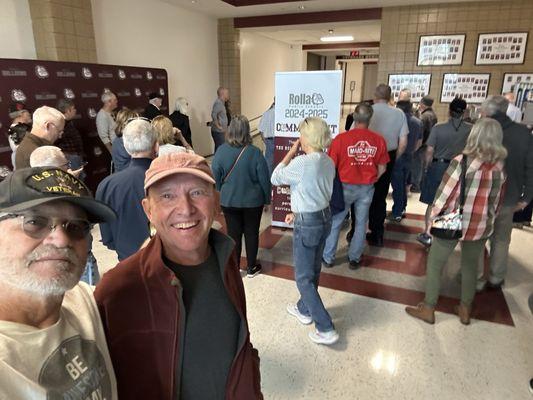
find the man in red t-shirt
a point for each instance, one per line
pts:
(360, 157)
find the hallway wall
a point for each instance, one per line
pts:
(261, 58)
(159, 34)
(16, 32)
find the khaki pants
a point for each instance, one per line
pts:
(499, 245)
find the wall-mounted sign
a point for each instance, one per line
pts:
(501, 48)
(510, 80)
(471, 87)
(441, 50)
(418, 84)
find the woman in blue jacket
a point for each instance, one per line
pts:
(242, 177)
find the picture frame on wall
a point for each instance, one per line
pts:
(511, 79)
(501, 48)
(418, 84)
(441, 50)
(471, 87)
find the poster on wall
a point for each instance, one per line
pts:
(300, 95)
(36, 83)
(418, 84)
(501, 48)
(471, 87)
(441, 50)
(511, 80)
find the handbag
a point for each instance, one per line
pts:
(234, 164)
(449, 226)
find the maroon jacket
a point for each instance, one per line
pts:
(141, 307)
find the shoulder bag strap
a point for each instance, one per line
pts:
(463, 184)
(234, 164)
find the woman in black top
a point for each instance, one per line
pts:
(180, 119)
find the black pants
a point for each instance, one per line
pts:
(244, 221)
(378, 208)
(524, 215)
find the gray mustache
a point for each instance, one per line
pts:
(50, 250)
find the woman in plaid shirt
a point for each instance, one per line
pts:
(484, 182)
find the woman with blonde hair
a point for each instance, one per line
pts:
(121, 158)
(167, 135)
(180, 118)
(310, 177)
(480, 167)
(241, 175)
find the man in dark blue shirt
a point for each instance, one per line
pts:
(124, 191)
(402, 167)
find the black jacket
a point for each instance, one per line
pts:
(151, 112)
(518, 141)
(181, 122)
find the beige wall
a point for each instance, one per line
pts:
(354, 72)
(402, 26)
(16, 33)
(261, 58)
(159, 34)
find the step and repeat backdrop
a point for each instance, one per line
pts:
(38, 83)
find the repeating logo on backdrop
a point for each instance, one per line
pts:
(149, 75)
(86, 73)
(41, 72)
(161, 91)
(362, 151)
(91, 112)
(69, 94)
(18, 95)
(121, 74)
(138, 92)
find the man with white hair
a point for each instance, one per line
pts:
(180, 119)
(153, 109)
(513, 111)
(405, 95)
(52, 343)
(519, 186)
(48, 125)
(124, 190)
(105, 123)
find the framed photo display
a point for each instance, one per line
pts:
(441, 50)
(501, 48)
(418, 84)
(471, 87)
(510, 80)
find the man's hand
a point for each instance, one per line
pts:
(75, 172)
(520, 206)
(289, 218)
(294, 148)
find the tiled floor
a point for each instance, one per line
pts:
(382, 353)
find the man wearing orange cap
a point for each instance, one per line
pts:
(175, 312)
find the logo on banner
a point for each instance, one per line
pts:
(149, 75)
(89, 95)
(86, 72)
(45, 96)
(105, 74)
(18, 95)
(14, 72)
(65, 73)
(69, 94)
(41, 72)
(160, 77)
(362, 151)
(161, 91)
(123, 94)
(121, 74)
(138, 92)
(306, 99)
(91, 112)
(136, 76)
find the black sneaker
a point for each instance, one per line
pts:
(253, 271)
(394, 219)
(494, 286)
(354, 265)
(326, 264)
(531, 386)
(424, 239)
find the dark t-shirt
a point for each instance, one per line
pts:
(211, 331)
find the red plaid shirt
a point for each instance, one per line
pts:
(483, 195)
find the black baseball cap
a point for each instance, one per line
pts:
(458, 105)
(29, 187)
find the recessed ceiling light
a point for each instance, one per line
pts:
(336, 39)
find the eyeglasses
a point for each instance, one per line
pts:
(39, 226)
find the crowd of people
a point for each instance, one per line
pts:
(169, 321)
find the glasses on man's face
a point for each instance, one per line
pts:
(39, 226)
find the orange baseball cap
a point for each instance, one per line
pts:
(178, 163)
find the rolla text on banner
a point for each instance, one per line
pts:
(300, 95)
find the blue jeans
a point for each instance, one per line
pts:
(269, 154)
(76, 162)
(399, 181)
(309, 237)
(361, 198)
(417, 166)
(91, 275)
(219, 138)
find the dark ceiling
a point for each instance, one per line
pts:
(242, 3)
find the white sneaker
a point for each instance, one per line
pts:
(292, 309)
(327, 338)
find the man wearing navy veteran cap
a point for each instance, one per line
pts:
(175, 312)
(52, 345)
